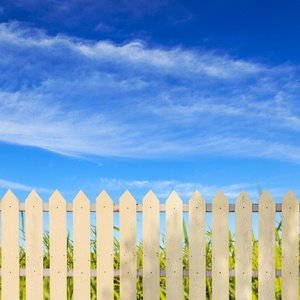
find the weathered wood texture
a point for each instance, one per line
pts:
(197, 248)
(266, 247)
(128, 262)
(290, 247)
(34, 246)
(220, 247)
(105, 254)
(58, 246)
(174, 243)
(243, 247)
(10, 246)
(151, 268)
(81, 236)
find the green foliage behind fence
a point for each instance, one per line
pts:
(162, 266)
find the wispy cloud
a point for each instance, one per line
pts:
(185, 190)
(161, 188)
(83, 97)
(5, 184)
(134, 57)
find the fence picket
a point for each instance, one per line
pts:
(197, 247)
(105, 254)
(174, 265)
(220, 247)
(58, 246)
(128, 260)
(290, 247)
(10, 246)
(81, 244)
(151, 272)
(243, 247)
(34, 246)
(266, 247)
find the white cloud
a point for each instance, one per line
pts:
(173, 60)
(5, 184)
(82, 97)
(163, 189)
(35, 123)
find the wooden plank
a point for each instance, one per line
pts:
(34, 246)
(128, 260)
(174, 244)
(220, 247)
(58, 246)
(105, 251)
(266, 247)
(290, 247)
(243, 247)
(197, 247)
(81, 244)
(10, 246)
(151, 249)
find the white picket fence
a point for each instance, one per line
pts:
(151, 273)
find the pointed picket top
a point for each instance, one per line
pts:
(57, 198)
(103, 195)
(219, 194)
(290, 198)
(103, 199)
(196, 198)
(220, 198)
(81, 198)
(174, 198)
(150, 197)
(127, 197)
(174, 202)
(9, 197)
(266, 200)
(33, 198)
(243, 198)
(197, 208)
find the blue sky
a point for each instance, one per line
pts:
(143, 95)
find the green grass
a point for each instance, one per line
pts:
(162, 265)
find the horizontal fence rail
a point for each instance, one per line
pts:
(208, 258)
(162, 207)
(139, 273)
